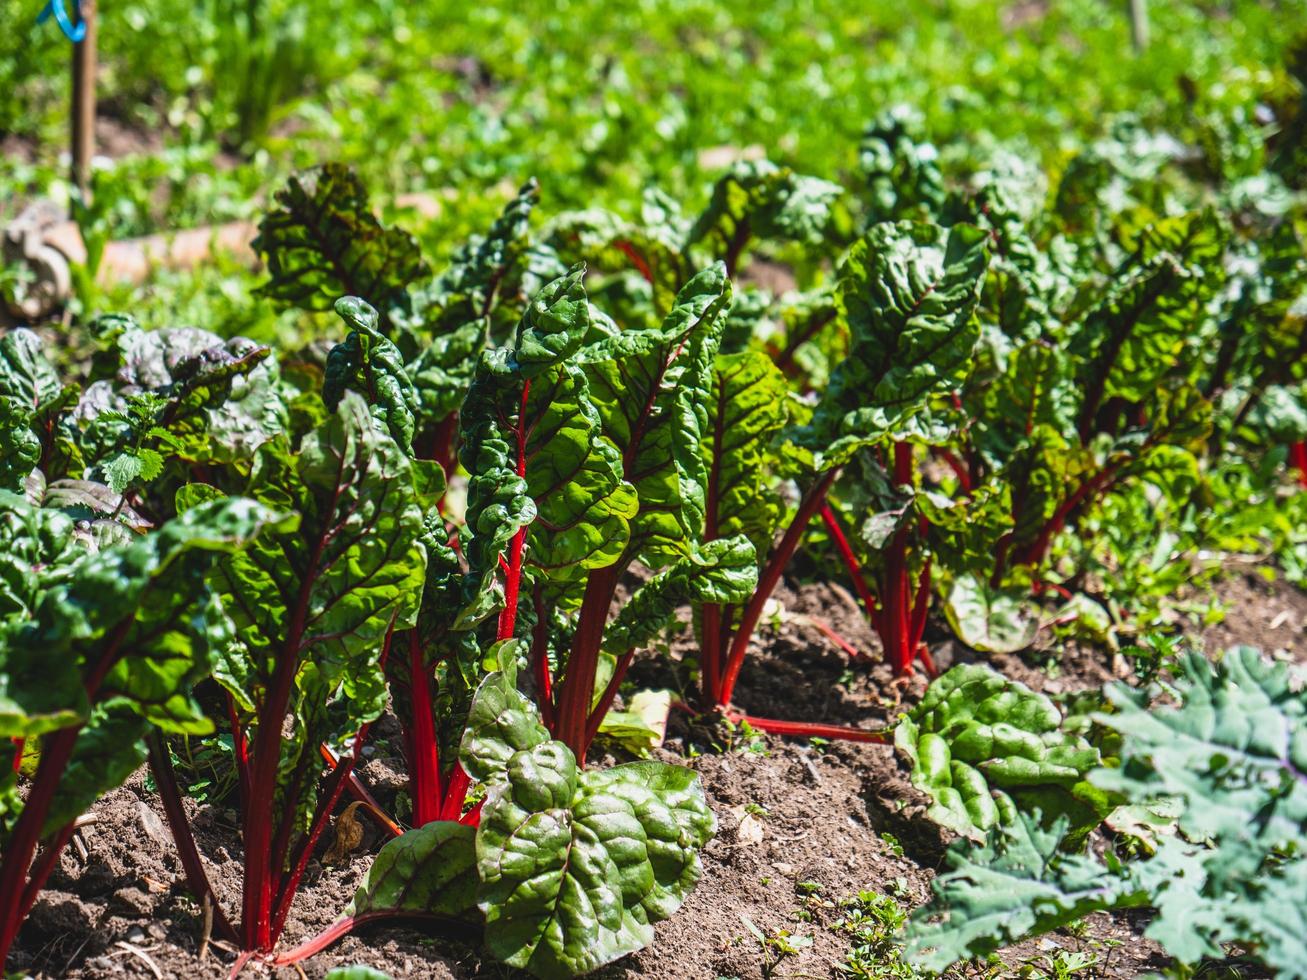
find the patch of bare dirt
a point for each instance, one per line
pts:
(1269, 615)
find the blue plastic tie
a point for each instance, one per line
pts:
(74, 32)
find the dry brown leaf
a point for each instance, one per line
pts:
(349, 835)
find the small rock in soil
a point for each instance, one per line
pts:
(152, 825)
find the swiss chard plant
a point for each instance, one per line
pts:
(756, 210)
(568, 869)
(583, 450)
(101, 643)
(323, 243)
(314, 606)
(907, 294)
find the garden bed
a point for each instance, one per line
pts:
(801, 827)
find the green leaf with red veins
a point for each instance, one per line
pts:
(721, 572)
(757, 199)
(747, 409)
(323, 242)
(907, 294)
(1132, 338)
(327, 593)
(571, 494)
(652, 389)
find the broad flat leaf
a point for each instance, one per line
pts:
(983, 747)
(370, 364)
(575, 866)
(643, 726)
(988, 619)
(907, 293)
(428, 869)
(747, 409)
(323, 242)
(541, 461)
(720, 572)
(652, 389)
(1020, 883)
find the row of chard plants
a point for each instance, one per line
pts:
(436, 515)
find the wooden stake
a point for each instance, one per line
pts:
(1139, 23)
(84, 70)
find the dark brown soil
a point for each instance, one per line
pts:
(1270, 615)
(840, 819)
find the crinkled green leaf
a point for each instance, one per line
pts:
(429, 869)
(907, 293)
(577, 866)
(26, 374)
(747, 409)
(1133, 336)
(900, 167)
(756, 198)
(20, 449)
(1034, 392)
(323, 242)
(370, 364)
(502, 721)
(983, 746)
(1227, 759)
(1020, 883)
(37, 549)
(569, 488)
(652, 389)
(132, 624)
(221, 399)
(719, 572)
